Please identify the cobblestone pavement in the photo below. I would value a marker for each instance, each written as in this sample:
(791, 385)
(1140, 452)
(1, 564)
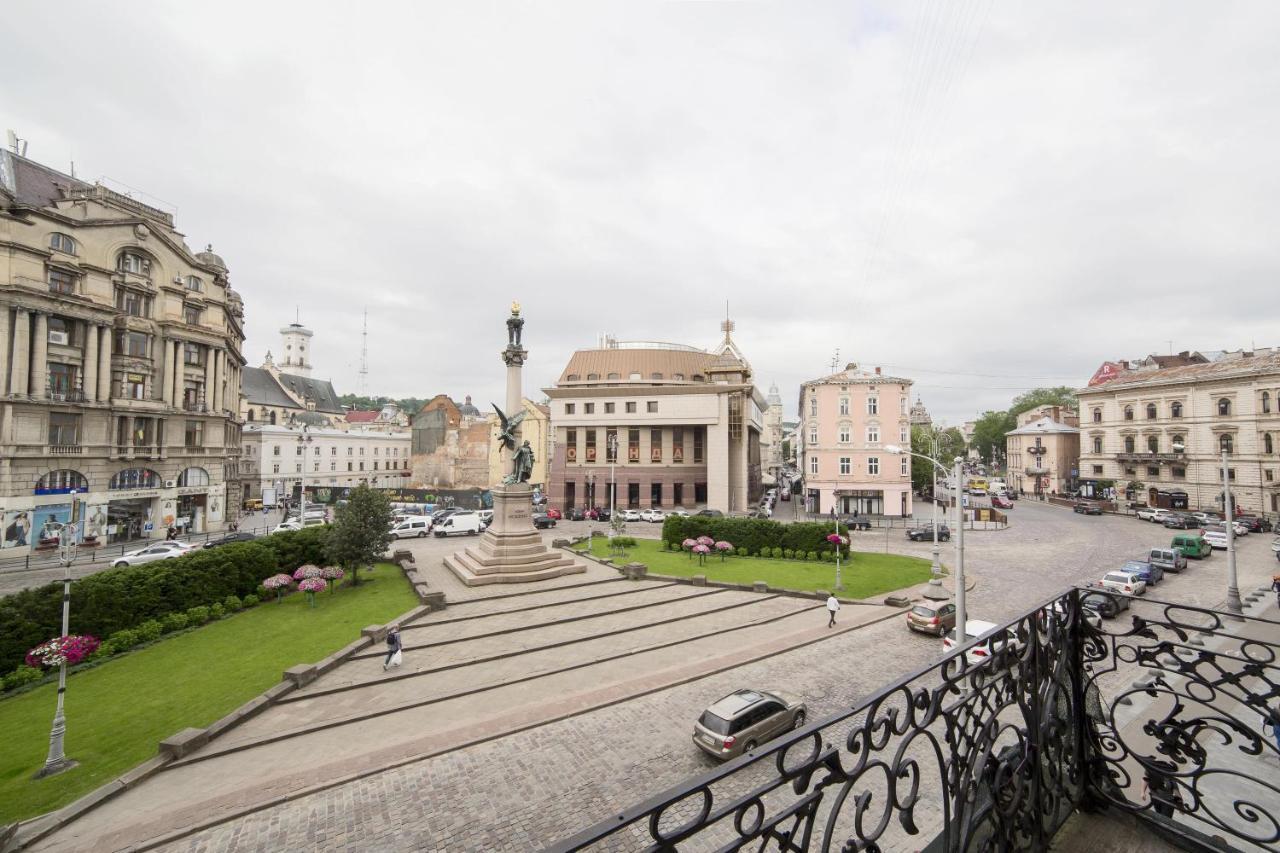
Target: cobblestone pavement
(519, 791)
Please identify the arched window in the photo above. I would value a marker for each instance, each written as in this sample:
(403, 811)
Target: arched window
(194, 283)
(61, 482)
(1151, 411)
(133, 262)
(250, 416)
(572, 377)
(1175, 410)
(1097, 416)
(1224, 407)
(135, 478)
(679, 377)
(1224, 443)
(1153, 443)
(62, 243)
(1128, 444)
(1179, 444)
(591, 376)
(193, 477)
(1267, 445)
(1097, 444)
(1128, 413)
(1266, 402)
(613, 376)
(273, 418)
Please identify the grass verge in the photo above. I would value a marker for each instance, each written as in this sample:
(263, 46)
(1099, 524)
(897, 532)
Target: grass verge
(118, 713)
(868, 574)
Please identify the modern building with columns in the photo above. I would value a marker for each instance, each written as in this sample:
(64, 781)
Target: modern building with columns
(120, 364)
(686, 424)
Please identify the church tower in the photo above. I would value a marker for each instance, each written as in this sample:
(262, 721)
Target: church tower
(295, 345)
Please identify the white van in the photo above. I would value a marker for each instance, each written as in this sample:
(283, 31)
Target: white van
(419, 526)
(460, 522)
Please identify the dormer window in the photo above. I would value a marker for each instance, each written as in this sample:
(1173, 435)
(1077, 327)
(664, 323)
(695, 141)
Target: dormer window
(134, 263)
(613, 376)
(592, 376)
(194, 283)
(572, 377)
(679, 377)
(62, 243)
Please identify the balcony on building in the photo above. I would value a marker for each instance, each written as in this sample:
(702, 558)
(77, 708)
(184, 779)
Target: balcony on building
(1148, 456)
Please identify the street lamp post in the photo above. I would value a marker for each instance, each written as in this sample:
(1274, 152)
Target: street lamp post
(57, 760)
(303, 441)
(839, 583)
(1234, 605)
(956, 472)
(611, 446)
(934, 591)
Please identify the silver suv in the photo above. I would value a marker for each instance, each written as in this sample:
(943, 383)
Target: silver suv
(743, 720)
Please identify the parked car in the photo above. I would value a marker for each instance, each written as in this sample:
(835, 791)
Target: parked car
(1087, 508)
(577, 514)
(932, 617)
(418, 527)
(631, 515)
(1001, 501)
(710, 513)
(1152, 513)
(683, 513)
(542, 521)
(285, 526)
(1180, 521)
(654, 516)
(1191, 545)
(1127, 582)
(440, 514)
(1205, 517)
(1255, 523)
(459, 522)
(554, 513)
(1150, 573)
(230, 538)
(745, 719)
(991, 641)
(857, 522)
(1105, 604)
(1216, 537)
(148, 554)
(924, 533)
(1168, 559)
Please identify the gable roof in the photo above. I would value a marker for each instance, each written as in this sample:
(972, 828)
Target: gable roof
(261, 388)
(361, 417)
(1043, 426)
(1236, 367)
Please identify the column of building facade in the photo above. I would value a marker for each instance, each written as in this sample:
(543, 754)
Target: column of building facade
(208, 377)
(716, 457)
(166, 378)
(39, 386)
(5, 345)
(179, 369)
(91, 362)
(103, 355)
(219, 378)
(18, 369)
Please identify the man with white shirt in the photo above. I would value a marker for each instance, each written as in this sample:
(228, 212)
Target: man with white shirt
(833, 607)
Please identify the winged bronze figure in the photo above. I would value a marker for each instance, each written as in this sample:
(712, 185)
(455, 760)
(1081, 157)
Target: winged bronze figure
(522, 457)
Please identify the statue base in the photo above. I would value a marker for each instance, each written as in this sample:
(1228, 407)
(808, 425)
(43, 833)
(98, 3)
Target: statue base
(511, 550)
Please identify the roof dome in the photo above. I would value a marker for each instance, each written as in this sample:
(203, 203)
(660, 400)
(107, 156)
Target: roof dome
(208, 257)
(469, 410)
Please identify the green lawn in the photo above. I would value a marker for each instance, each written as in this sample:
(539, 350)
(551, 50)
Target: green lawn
(869, 574)
(118, 713)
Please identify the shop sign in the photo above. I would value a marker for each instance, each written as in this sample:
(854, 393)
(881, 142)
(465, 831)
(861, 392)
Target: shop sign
(193, 490)
(130, 494)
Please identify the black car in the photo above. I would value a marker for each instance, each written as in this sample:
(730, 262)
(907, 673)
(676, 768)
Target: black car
(1254, 523)
(542, 521)
(1180, 521)
(229, 538)
(577, 514)
(856, 522)
(1105, 604)
(1087, 508)
(925, 533)
(710, 513)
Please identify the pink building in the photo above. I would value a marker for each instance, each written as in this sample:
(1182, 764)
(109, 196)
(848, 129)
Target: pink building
(846, 421)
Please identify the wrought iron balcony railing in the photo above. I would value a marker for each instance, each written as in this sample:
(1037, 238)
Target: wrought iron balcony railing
(994, 753)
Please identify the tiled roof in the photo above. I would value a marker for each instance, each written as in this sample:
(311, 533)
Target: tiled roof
(261, 388)
(1043, 426)
(37, 185)
(854, 375)
(646, 362)
(318, 390)
(358, 417)
(1228, 368)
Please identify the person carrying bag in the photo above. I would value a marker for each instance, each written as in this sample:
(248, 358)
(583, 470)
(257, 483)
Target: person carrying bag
(395, 650)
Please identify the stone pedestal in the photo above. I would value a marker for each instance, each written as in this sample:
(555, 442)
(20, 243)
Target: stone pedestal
(511, 550)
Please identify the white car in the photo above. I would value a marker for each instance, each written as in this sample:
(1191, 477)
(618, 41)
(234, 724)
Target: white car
(631, 515)
(683, 513)
(981, 651)
(149, 554)
(1156, 514)
(285, 526)
(652, 515)
(1126, 582)
(1217, 539)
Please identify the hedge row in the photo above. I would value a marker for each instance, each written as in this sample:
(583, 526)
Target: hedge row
(118, 599)
(753, 534)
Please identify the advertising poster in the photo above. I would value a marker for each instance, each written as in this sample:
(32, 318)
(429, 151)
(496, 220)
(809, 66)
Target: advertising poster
(17, 529)
(214, 510)
(47, 522)
(95, 525)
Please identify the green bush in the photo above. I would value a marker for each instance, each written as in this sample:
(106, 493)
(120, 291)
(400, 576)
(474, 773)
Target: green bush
(624, 541)
(751, 533)
(776, 553)
(149, 631)
(125, 639)
(22, 675)
(825, 556)
(232, 603)
(294, 548)
(742, 551)
(174, 622)
(250, 600)
(216, 611)
(789, 554)
(198, 615)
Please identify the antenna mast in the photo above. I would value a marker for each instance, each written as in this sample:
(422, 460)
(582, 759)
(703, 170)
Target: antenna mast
(363, 379)
(835, 360)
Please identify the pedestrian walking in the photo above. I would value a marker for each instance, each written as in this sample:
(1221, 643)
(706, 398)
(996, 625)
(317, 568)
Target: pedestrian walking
(833, 607)
(1272, 721)
(394, 649)
(1275, 585)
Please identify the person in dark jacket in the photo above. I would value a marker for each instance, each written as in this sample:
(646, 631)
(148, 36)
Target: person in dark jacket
(393, 646)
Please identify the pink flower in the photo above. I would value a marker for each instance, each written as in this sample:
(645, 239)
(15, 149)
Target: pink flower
(701, 549)
(307, 571)
(312, 585)
(724, 546)
(706, 540)
(688, 544)
(332, 573)
(277, 581)
(70, 649)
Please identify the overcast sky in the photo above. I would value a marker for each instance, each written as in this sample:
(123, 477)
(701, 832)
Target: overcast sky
(984, 197)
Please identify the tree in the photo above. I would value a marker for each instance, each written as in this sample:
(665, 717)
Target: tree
(1037, 397)
(950, 445)
(360, 532)
(989, 431)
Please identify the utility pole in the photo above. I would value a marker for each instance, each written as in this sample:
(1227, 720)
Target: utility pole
(1234, 605)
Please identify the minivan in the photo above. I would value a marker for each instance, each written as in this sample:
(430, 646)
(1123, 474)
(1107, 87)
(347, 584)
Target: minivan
(1191, 545)
(412, 527)
(1169, 559)
(460, 522)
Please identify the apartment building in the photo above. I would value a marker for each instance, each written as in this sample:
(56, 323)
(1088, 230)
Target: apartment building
(120, 365)
(671, 425)
(281, 458)
(1042, 453)
(846, 421)
(1167, 427)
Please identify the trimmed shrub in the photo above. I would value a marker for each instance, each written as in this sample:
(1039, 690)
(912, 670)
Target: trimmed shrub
(198, 615)
(174, 622)
(742, 551)
(788, 554)
(624, 541)
(232, 603)
(122, 640)
(294, 548)
(812, 556)
(776, 553)
(250, 600)
(148, 631)
(216, 611)
(22, 675)
(825, 556)
(752, 533)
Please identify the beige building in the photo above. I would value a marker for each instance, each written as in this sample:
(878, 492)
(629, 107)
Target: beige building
(682, 425)
(284, 393)
(324, 458)
(120, 366)
(847, 420)
(1166, 427)
(535, 429)
(1043, 452)
(771, 440)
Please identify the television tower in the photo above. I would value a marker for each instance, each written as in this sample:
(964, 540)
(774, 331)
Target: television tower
(362, 380)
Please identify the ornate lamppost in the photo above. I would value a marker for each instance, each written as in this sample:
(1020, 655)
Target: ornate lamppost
(57, 760)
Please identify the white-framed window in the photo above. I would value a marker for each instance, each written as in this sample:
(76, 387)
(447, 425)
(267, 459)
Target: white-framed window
(844, 433)
(844, 405)
(902, 434)
(873, 465)
(813, 434)
(846, 465)
(873, 405)
(813, 464)
(62, 243)
(873, 433)
(194, 283)
(904, 468)
(813, 407)
(134, 263)
(902, 405)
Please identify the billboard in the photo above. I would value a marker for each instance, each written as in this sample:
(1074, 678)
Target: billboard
(1108, 371)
